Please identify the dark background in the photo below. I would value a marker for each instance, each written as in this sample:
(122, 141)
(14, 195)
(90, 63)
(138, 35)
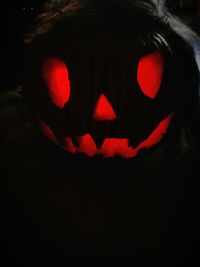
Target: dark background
(48, 218)
(17, 17)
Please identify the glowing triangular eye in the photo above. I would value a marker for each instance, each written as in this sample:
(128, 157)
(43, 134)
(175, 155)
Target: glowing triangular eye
(149, 74)
(56, 77)
(103, 110)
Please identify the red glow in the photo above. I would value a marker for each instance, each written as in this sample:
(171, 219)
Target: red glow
(56, 76)
(149, 74)
(111, 146)
(103, 110)
(87, 146)
(157, 134)
(117, 146)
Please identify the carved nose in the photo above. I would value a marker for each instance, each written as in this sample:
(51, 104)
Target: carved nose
(103, 110)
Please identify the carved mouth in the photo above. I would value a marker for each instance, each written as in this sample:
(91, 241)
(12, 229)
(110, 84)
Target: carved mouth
(109, 147)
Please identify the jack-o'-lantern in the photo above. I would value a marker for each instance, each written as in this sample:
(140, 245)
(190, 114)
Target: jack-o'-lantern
(99, 87)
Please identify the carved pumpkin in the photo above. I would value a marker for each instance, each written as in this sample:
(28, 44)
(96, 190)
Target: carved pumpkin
(105, 92)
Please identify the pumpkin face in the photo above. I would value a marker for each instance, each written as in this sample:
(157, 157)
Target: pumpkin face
(113, 105)
(109, 78)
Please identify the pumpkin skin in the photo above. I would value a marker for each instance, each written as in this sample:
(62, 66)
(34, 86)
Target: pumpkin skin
(104, 93)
